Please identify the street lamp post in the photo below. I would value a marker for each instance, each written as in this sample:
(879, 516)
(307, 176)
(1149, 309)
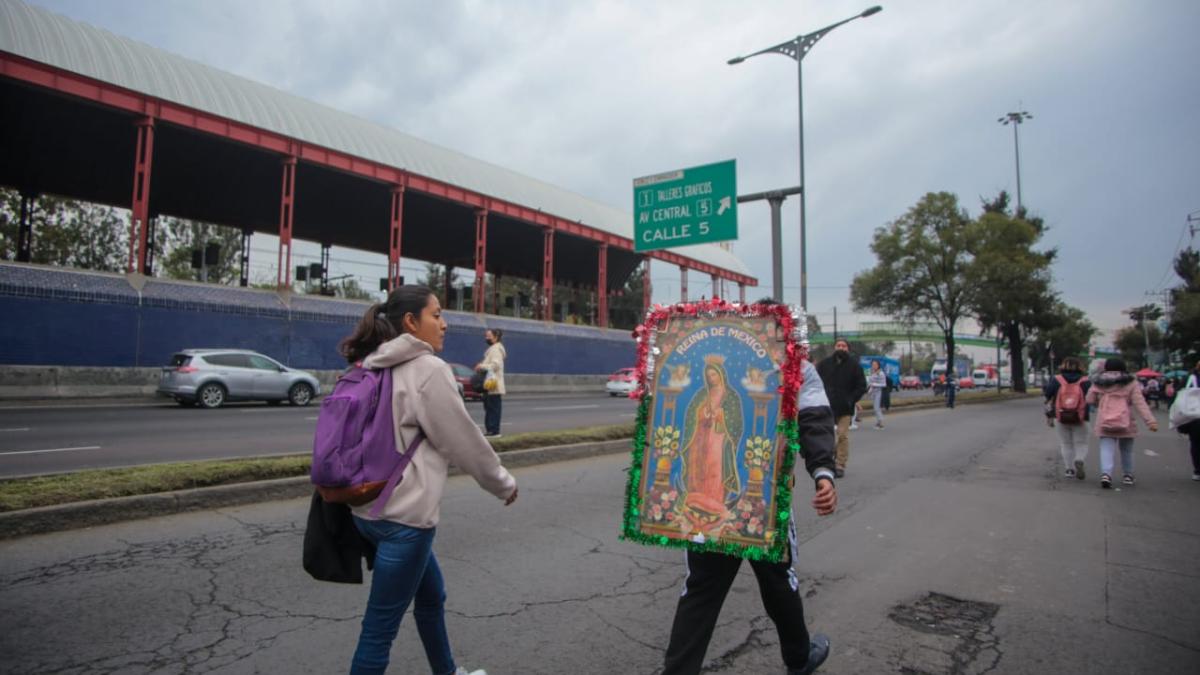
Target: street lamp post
(797, 48)
(1015, 119)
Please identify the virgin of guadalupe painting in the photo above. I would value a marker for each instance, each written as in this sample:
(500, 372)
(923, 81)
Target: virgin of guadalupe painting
(707, 476)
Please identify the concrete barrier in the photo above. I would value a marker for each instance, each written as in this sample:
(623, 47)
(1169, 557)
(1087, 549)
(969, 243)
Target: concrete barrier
(60, 382)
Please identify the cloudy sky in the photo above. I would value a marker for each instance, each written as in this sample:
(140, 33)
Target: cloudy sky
(589, 95)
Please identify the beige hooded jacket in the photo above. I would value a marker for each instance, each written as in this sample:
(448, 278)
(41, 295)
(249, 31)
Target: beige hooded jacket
(425, 396)
(493, 360)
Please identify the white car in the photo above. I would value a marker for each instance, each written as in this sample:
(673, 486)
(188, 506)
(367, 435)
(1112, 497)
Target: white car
(621, 383)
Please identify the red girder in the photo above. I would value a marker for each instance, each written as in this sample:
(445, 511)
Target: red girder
(287, 201)
(480, 259)
(396, 222)
(602, 285)
(22, 69)
(139, 217)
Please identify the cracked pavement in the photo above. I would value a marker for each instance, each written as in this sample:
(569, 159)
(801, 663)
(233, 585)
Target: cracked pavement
(964, 504)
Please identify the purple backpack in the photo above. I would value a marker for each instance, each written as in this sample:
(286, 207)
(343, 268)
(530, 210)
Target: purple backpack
(354, 449)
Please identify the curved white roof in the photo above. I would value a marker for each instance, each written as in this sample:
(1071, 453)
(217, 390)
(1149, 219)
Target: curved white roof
(40, 35)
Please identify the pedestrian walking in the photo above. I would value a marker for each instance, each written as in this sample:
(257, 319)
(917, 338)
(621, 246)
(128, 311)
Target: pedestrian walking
(1153, 391)
(1066, 406)
(405, 333)
(493, 384)
(1192, 428)
(951, 389)
(710, 575)
(876, 386)
(1116, 395)
(844, 386)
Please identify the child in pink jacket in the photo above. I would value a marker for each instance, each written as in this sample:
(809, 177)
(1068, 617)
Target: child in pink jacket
(1115, 393)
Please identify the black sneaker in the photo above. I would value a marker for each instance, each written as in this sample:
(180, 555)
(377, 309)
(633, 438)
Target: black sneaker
(818, 651)
(838, 473)
(1105, 481)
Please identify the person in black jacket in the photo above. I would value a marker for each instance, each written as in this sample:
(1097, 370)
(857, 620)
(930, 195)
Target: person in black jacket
(710, 575)
(844, 385)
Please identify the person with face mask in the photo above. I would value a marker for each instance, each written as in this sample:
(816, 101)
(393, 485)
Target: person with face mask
(845, 384)
(493, 363)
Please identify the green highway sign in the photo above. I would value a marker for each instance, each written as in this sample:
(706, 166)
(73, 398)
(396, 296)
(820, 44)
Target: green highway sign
(684, 207)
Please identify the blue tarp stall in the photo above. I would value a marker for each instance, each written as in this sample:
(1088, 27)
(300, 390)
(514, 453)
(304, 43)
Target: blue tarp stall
(61, 317)
(890, 366)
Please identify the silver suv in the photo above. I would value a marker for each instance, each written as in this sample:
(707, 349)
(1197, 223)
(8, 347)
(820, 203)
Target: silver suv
(210, 377)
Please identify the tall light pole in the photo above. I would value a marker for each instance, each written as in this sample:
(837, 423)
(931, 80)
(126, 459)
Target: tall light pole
(797, 48)
(1015, 119)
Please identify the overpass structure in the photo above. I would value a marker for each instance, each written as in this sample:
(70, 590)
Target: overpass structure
(877, 331)
(94, 116)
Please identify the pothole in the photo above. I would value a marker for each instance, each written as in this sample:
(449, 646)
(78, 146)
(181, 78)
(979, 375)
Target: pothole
(951, 636)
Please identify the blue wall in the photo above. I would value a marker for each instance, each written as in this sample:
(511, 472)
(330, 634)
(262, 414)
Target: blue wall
(59, 317)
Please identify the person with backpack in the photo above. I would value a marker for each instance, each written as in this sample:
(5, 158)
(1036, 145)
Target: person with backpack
(403, 335)
(493, 385)
(1066, 404)
(1115, 393)
(1153, 389)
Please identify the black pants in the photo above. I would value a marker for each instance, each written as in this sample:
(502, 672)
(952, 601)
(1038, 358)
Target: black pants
(491, 413)
(1194, 441)
(709, 577)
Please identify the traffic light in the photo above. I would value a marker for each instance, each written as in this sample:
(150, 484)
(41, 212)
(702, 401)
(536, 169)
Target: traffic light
(212, 254)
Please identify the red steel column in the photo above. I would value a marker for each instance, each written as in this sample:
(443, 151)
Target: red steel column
(602, 287)
(683, 284)
(646, 290)
(397, 222)
(138, 220)
(287, 202)
(716, 287)
(480, 259)
(548, 274)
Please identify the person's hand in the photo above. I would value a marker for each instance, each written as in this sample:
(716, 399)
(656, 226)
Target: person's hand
(825, 501)
(1154, 427)
(511, 498)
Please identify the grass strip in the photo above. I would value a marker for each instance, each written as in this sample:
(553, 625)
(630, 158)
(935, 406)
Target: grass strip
(26, 493)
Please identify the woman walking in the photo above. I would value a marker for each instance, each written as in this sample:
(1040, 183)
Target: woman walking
(1116, 394)
(405, 333)
(1192, 428)
(1065, 404)
(876, 383)
(493, 385)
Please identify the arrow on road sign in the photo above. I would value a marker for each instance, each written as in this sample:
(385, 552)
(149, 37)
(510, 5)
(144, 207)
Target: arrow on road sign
(725, 201)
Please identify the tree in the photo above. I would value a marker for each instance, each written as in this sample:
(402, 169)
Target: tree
(177, 238)
(923, 269)
(1131, 342)
(351, 290)
(1065, 332)
(1183, 326)
(66, 232)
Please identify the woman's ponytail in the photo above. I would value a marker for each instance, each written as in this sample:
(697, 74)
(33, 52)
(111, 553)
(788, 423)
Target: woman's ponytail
(373, 330)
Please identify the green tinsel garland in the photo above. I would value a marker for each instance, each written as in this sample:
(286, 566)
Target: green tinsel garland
(783, 498)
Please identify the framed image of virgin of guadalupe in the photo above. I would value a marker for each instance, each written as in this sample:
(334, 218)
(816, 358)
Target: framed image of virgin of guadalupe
(716, 436)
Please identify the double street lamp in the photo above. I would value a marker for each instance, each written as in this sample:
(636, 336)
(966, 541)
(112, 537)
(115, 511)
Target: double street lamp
(1015, 119)
(797, 48)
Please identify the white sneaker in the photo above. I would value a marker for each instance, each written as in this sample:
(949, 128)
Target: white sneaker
(853, 427)
(464, 671)
(1196, 476)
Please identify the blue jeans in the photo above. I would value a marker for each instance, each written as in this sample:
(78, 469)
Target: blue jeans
(406, 571)
(491, 413)
(1108, 447)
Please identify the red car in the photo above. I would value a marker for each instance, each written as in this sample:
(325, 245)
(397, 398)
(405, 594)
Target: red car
(966, 383)
(462, 375)
(910, 382)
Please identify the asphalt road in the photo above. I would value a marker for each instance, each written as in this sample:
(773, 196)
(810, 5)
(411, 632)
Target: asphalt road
(957, 548)
(52, 439)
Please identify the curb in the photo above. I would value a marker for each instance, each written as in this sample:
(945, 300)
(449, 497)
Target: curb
(46, 519)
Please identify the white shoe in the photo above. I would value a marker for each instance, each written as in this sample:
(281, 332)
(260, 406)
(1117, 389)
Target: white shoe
(1196, 476)
(853, 427)
(463, 671)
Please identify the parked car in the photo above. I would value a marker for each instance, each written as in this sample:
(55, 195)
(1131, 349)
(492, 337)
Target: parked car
(210, 377)
(621, 382)
(966, 383)
(982, 378)
(910, 382)
(462, 375)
